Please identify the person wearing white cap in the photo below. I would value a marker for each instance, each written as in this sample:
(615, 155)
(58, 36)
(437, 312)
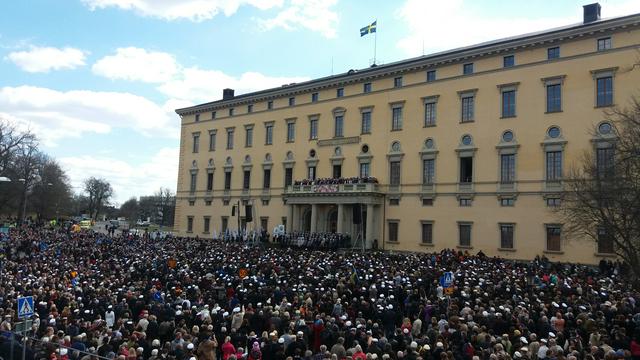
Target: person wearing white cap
(237, 318)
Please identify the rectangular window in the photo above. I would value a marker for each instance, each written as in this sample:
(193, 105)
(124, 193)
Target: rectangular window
(553, 202)
(366, 122)
(396, 118)
(227, 180)
(197, 117)
(192, 202)
(604, 44)
(213, 115)
(248, 137)
(553, 52)
(207, 224)
(508, 61)
(313, 129)
(427, 233)
(314, 97)
(506, 236)
(554, 165)
(466, 169)
(264, 223)
(270, 105)
(246, 180)
(266, 179)
(605, 158)
(291, 131)
(192, 183)
(212, 141)
(231, 111)
(554, 98)
(464, 235)
(507, 202)
(507, 168)
(605, 242)
(339, 126)
(467, 108)
(229, 139)
(207, 202)
(366, 88)
(397, 82)
(250, 108)
(288, 176)
(428, 171)
(465, 202)
(430, 114)
(393, 231)
(394, 201)
(311, 173)
(364, 170)
(268, 140)
(553, 238)
(196, 143)
(292, 101)
(467, 69)
(604, 91)
(431, 75)
(508, 103)
(224, 224)
(394, 173)
(189, 224)
(427, 201)
(225, 202)
(340, 92)
(209, 181)
(336, 171)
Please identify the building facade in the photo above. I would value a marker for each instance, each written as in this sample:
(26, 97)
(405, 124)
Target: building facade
(468, 147)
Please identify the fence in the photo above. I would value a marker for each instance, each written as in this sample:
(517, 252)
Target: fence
(24, 347)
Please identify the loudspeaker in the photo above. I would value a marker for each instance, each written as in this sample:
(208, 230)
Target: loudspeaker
(357, 214)
(248, 213)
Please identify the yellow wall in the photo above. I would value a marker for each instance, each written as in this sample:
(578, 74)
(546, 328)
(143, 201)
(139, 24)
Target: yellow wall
(577, 120)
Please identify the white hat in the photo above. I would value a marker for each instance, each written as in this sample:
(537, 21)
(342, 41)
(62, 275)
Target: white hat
(190, 346)
(439, 344)
(154, 352)
(281, 341)
(63, 351)
(236, 309)
(523, 340)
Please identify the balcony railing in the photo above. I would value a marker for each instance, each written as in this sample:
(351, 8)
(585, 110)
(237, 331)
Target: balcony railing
(332, 188)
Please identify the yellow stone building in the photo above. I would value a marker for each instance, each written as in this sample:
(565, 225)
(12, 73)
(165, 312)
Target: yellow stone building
(469, 146)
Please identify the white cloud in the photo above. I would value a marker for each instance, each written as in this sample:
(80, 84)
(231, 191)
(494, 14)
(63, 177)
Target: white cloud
(199, 85)
(186, 85)
(127, 180)
(45, 59)
(452, 24)
(315, 15)
(194, 10)
(137, 64)
(54, 115)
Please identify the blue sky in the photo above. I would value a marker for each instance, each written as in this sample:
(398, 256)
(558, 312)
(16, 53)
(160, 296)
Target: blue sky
(98, 80)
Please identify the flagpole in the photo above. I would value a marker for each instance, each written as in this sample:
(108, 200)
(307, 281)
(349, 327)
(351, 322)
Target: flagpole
(375, 42)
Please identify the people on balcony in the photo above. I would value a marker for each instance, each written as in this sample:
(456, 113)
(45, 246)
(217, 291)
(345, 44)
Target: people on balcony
(337, 181)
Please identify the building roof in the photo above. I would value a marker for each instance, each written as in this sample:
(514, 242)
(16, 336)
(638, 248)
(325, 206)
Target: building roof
(461, 54)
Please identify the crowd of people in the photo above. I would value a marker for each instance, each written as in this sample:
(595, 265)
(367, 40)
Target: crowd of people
(336, 181)
(315, 240)
(135, 298)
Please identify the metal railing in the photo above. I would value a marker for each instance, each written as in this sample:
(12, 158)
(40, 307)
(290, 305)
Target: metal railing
(25, 347)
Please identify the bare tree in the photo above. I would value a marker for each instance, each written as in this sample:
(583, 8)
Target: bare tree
(52, 194)
(602, 201)
(27, 163)
(166, 203)
(99, 192)
(10, 140)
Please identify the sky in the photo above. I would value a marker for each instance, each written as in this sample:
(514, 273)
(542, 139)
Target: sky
(98, 80)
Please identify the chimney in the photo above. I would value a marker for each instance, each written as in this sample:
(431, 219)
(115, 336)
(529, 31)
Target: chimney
(591, 12)
(227, 94)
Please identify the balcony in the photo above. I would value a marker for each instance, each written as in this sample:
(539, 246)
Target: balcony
(333, 189)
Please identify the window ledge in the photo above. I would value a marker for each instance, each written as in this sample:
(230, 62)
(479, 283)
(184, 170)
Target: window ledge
(508, 117)
(469, 247)
(189, 232)
(205, 232)
(267, 144)
(605, 254)
(429, 126)
(366, 133)
(426, 245)
(556, 252)
(467, 121)
(393, 242)
(507, 249)
(396, 129)
(553, 112)
(290, 141)
(311, 139)
(604, 106)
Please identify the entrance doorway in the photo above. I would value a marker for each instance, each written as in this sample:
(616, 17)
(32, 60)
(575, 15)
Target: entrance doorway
(306, 221)
(332, 221)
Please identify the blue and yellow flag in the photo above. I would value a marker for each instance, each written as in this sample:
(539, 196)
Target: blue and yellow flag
(368, 29)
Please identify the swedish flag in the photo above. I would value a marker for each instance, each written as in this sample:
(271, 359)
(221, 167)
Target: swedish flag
(368, 29)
